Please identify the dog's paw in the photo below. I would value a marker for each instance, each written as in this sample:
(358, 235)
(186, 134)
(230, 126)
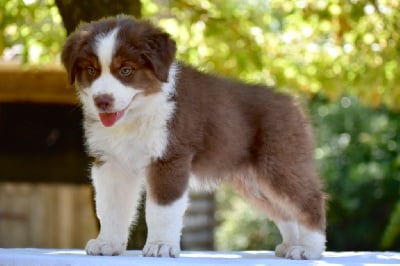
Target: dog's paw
(297, 252)
(161, 250)
(104, 248)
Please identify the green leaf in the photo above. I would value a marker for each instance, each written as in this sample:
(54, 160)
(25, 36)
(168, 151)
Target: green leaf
(392, 231)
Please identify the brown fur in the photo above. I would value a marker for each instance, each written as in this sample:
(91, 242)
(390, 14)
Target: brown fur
(249, 136)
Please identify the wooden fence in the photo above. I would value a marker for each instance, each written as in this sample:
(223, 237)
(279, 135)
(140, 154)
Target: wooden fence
(48, 216)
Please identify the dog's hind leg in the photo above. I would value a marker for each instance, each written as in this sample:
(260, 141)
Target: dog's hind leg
(299, 215)
(286, 181)
(299, 242)
(299, 206)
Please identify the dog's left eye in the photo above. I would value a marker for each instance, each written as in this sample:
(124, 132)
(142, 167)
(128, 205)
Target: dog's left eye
(125, 71)
(91, 71)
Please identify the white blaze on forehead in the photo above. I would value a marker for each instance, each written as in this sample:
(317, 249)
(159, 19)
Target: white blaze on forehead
(105, 44)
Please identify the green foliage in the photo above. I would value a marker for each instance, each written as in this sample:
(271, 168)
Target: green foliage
(34, 25)
(327, 46)
(358, 153)
(392, 231)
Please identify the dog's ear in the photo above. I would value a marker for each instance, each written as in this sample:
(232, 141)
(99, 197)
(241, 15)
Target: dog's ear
(159, 52)
(71, 51)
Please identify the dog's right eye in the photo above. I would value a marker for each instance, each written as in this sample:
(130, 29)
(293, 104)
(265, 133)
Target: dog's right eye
(91, 71)
(125, 71)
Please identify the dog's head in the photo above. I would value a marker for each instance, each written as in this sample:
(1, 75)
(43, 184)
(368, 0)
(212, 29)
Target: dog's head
(115, 63)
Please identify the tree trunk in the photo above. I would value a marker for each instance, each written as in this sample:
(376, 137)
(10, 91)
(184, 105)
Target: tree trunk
(75, 11)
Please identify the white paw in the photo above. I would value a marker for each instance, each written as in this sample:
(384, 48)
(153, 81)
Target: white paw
(104, 248)
(156, 249)
(281, 250)
(298, 252)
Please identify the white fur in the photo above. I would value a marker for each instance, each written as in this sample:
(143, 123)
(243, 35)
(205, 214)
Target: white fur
(117, 195)
(107, 83)
(202, 183)
(164, 225)
(127, 149)
(169, 87)
(105, 48)
(298, 242)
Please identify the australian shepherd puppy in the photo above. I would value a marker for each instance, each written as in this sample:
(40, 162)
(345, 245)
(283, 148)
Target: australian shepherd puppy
(154, 123)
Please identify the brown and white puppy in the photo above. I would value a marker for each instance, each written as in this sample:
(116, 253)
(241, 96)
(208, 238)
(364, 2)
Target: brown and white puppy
(153, 123)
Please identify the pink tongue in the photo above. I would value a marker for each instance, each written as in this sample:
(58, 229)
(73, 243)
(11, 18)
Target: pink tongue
(109, 119)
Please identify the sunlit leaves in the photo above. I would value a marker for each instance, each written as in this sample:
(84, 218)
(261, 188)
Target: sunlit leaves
(328, 46)
(32, 31)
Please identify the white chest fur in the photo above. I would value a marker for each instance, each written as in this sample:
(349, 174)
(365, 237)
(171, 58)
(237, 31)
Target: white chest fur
(142, 134)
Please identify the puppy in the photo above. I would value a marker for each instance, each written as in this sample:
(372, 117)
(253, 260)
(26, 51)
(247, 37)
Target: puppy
(154, 123)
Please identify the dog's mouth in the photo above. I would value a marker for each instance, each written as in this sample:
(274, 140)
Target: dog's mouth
(109, 119)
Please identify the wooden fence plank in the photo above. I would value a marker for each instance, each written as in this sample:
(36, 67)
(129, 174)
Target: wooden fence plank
(37, 85)
(41, 215)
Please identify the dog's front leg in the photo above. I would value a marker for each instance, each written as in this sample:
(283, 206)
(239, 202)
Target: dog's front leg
(166, 203)
(117, 196)
(164, 224)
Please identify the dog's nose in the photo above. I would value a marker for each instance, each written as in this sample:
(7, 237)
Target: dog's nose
(104, 102)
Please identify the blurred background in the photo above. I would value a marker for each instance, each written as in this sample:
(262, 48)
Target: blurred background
(340, 58)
